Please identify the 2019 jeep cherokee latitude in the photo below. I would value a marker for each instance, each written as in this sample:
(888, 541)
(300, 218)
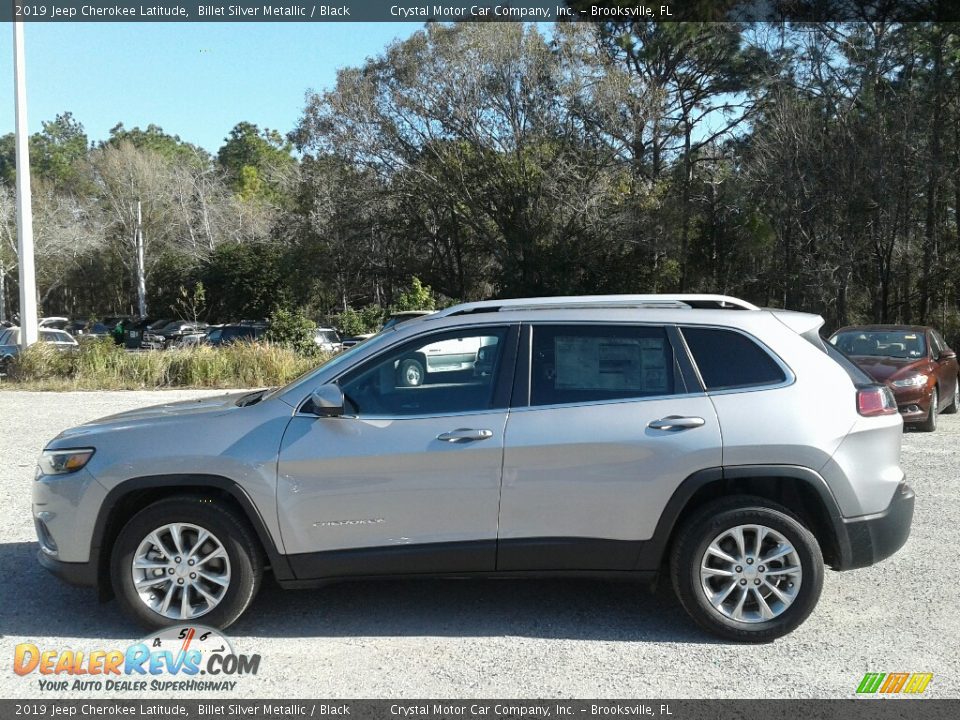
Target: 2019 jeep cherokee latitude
(695, 435)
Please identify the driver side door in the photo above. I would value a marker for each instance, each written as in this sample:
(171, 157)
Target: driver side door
(408, 479)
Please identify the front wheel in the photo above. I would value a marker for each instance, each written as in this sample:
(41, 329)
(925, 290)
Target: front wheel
(746, 569)
(185, 559)
(951, 409)
(930, 424)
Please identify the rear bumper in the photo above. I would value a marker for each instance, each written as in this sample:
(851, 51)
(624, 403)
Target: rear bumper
(868, 540)
(83, 574)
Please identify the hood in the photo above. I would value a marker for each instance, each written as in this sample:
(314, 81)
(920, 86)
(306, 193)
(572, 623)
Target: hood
(158, 413)
(883, 369)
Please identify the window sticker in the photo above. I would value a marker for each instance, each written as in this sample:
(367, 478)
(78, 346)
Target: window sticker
(610, 363)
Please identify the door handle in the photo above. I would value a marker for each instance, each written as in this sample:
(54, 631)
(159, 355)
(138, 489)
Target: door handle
(676, 422)
(461, 435)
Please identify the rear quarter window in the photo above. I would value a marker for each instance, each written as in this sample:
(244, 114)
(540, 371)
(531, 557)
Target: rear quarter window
(729, 360)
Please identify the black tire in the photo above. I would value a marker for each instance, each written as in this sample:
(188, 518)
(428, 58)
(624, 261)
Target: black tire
(410, 373)
(954, 405)
(930, 424)
(704, 526)
(6, 364)
(243, 551)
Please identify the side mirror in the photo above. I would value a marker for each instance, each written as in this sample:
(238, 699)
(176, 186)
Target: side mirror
(327, 401)
(947, 354)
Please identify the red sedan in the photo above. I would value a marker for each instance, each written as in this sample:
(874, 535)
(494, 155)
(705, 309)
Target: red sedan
(913, 360)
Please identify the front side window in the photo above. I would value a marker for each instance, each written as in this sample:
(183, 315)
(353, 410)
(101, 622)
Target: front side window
(452, 372)
(582, 363)
(728, 360)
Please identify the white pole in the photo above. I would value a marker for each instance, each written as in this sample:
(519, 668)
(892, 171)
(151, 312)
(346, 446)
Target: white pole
(28, 281)
(141, 275)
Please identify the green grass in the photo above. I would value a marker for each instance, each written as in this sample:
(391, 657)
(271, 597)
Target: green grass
(101, 365)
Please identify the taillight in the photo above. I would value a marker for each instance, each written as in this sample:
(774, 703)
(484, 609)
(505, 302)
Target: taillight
(875, 400)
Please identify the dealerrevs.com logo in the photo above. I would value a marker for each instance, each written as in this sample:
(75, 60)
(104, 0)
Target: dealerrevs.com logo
(177, 659)
(894, 683)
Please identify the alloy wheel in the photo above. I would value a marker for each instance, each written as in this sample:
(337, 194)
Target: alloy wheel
(181, 571)
(750, 573)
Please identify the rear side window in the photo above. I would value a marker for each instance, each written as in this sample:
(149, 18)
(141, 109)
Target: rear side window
(728, 360)
(579, 363)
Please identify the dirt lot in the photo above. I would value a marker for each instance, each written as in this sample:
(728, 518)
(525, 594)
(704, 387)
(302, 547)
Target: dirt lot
(509, 639)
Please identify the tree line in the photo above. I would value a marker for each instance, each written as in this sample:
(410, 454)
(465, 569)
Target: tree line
(814, 166)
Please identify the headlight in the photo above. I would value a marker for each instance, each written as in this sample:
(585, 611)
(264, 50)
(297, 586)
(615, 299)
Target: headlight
(913, 381)
(61, 462)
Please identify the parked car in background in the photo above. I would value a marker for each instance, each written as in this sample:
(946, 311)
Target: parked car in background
(395, 319)
(10, 343)
(171, 334)
(195, 337)
(327, 340)
(55, 323)
(86, 329)
(913, 360)
(134, 330)
(226, 334)
(583, 436)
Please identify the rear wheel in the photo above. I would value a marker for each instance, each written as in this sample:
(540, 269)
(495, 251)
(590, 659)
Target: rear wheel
(747, 569)
(185, 559)
(411, 373)
(955, 403)
(930, 424)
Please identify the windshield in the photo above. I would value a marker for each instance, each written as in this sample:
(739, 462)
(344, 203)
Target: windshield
(881, 343)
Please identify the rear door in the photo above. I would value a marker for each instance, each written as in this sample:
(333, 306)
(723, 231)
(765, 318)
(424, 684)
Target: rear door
(597, 441)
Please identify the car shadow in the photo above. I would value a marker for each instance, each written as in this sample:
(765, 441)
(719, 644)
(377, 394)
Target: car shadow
(39, 605)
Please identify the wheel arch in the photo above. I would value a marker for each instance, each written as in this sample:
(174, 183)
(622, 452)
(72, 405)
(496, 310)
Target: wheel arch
(800, 489)
(131, 496)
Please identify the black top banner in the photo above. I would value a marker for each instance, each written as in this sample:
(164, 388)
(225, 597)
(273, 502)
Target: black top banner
(482, 11)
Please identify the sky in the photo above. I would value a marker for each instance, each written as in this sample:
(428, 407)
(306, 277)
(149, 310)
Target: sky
(195, 80)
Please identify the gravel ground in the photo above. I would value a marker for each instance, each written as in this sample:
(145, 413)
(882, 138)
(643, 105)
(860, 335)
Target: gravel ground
(510, 639)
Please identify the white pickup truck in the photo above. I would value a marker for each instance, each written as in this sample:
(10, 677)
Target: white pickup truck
(452, 355)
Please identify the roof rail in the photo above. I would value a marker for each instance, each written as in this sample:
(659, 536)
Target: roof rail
(664, 302)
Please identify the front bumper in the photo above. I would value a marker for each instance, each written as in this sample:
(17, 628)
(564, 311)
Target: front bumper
(913, 403)
(83, 574)
(64, 510)
(869, 539)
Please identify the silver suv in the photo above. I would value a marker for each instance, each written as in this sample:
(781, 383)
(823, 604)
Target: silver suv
(692, 435)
